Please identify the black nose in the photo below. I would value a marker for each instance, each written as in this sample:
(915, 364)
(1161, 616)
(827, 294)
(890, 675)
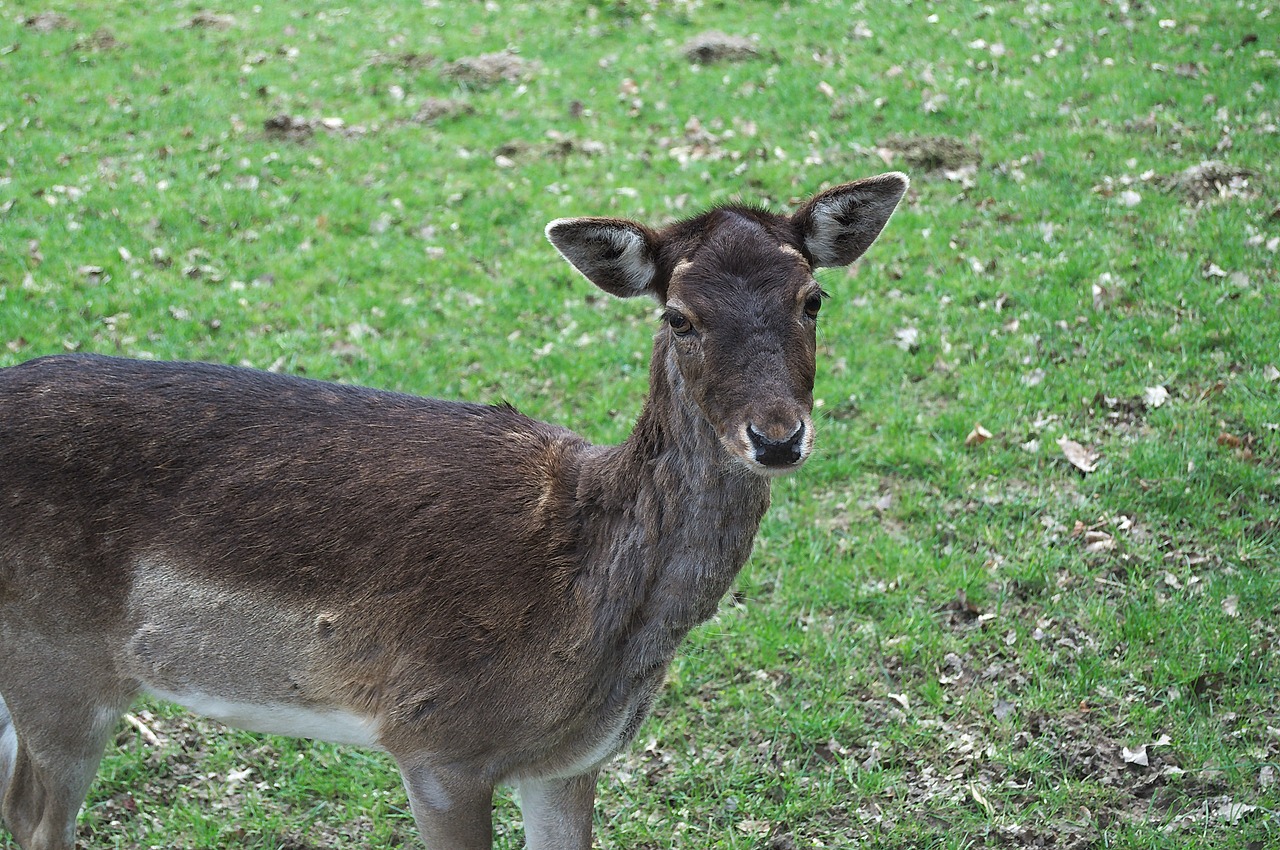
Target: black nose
(782, 452)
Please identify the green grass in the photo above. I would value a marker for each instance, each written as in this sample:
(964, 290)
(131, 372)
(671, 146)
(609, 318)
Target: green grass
(848, 694)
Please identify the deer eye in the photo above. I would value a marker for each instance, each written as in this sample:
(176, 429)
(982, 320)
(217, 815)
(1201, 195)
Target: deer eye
(679, 324)
(812, 305)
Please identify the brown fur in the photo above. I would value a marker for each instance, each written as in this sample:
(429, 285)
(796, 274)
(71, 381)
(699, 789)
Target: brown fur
(498, 599)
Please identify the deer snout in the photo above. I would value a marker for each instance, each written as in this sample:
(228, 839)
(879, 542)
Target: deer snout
(778, 447)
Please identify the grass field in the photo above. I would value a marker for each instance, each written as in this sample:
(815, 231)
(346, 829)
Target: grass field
(949, 634)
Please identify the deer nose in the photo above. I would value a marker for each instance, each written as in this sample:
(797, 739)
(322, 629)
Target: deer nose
(770, 452)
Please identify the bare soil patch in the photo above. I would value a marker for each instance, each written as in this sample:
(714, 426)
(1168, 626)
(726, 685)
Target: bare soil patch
(489, 69)
(48, 22)
(438, 108)
(714, 46)
(933, 153)
(1212, 179)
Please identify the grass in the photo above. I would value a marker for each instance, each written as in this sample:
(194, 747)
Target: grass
(934, 644)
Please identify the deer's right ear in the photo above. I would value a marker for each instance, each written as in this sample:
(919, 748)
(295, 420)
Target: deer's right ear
(617, 255)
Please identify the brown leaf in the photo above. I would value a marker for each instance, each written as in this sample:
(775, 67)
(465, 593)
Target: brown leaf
(1085, 460)
(977, 436)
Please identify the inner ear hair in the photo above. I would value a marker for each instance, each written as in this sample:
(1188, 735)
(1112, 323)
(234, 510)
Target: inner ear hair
(839, 225)
(616, 255)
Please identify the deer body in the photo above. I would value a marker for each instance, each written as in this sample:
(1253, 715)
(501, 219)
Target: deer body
(488, 598)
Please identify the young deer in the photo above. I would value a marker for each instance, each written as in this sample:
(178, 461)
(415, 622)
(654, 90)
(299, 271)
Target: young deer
(488, 598)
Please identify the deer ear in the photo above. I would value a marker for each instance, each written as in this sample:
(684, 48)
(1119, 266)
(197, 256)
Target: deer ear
(615, 254)
(840, 224)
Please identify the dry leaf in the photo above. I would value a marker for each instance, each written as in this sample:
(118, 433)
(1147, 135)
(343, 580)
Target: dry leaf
(1154, 396)
(1231, 606)
(1136, 756)
(1233, 812)
(977, 436)
(1231, 441)
(981, 800)
(1098, 541)
(1081, 458)
(1271, 373)
(908, 339)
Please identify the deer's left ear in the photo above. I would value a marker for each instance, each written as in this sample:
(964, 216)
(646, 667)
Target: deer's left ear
(617, 255)
(840, 224)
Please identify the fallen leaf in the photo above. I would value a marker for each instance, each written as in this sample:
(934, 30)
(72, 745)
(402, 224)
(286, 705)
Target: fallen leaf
(236, 776)
(1004, 710)
(1231, 606)
(1233, 812)
(1081, 458)
(981, 800)
(1098, 541)
(977, 436)
(755, 827)
(1136, 756)
(1271, 373)
(1129, 198)
(908, 339)
(1231, 441)
(1155, 396)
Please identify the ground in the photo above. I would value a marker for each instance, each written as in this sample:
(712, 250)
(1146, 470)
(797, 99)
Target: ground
(1026, 593)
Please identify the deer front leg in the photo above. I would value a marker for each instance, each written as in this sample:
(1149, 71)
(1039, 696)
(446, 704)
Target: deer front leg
(557, 812)
(451, 813)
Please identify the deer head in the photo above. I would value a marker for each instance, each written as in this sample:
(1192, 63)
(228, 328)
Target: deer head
(740, 304)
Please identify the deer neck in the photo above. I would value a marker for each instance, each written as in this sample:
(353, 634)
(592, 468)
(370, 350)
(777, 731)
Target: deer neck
(670, 518)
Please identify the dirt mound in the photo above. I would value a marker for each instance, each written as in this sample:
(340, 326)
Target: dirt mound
(48, 22)
(1212, 179)
(491, 68)
(712, 46)
(206, 20)
(436, 108)
(933, 153)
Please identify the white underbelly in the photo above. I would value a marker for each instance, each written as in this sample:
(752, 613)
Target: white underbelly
(327, 724)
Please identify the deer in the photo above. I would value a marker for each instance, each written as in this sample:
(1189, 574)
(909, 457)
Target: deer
(489, 599)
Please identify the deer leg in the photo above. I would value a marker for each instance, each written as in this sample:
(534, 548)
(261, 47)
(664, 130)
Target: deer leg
(557, 812)
(52, 748)
(451, 813)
